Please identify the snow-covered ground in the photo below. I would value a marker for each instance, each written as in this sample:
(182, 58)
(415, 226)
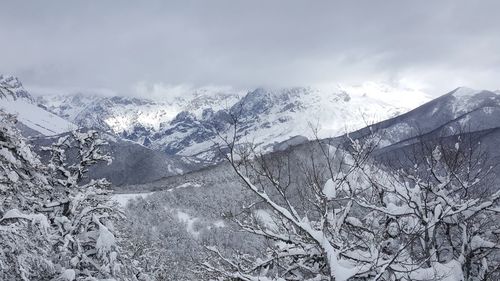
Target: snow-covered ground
(189, 221)
(36, 118)
(14, 99)
(187, 184)
(124, 198)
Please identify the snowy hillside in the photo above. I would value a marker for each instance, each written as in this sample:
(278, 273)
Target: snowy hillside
(461, 110)
(14, 99)
(132, 163)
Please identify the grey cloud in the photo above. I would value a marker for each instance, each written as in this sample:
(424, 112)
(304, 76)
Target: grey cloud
(118, 44)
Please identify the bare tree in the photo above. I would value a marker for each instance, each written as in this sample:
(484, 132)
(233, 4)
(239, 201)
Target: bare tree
(335, 213)
(440, 199)
(311, 242)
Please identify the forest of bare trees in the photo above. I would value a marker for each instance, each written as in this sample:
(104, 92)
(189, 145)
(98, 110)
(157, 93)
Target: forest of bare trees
(336, 213)
(334, 209)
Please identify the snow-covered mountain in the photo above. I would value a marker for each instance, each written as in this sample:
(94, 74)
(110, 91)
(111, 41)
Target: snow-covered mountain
(464, 117)
(268, 117)
(132, 162)
(14, 99)
(130, 117)
(463, 109)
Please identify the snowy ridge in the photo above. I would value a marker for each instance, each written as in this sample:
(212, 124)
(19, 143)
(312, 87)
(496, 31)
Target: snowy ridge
(14, 99)
(467, 99)
(464, 92)
(463, 109)
(11, 87)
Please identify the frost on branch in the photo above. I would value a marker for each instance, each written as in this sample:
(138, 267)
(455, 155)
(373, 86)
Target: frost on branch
(24, 235)
(83, 212)
(442, 210)
(313, 231)
(55, 224)
(341, 214)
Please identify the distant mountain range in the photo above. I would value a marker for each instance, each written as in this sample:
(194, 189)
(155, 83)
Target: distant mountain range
(132, 163)
(134, 119)
(270, 118)
(169, 137)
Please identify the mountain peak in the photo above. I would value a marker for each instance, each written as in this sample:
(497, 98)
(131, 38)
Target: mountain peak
(464, 92)
(11, 87)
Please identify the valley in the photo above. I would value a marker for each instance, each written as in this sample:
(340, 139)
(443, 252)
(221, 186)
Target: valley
(176, 177)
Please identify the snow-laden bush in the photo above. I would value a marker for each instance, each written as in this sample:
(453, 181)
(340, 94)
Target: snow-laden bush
(24, 235)
(54, 223)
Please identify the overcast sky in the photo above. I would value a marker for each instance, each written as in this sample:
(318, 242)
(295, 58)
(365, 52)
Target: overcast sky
(126, 46)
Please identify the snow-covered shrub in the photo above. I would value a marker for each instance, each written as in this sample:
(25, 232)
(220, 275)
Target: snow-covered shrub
(53, 222)
(83, 211)
(25, 237)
